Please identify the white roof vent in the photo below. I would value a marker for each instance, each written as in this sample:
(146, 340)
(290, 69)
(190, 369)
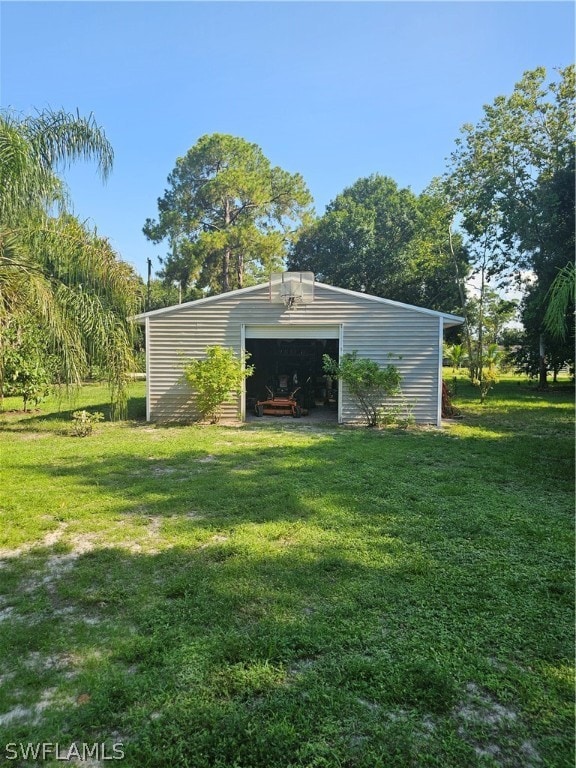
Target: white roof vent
(292, 288)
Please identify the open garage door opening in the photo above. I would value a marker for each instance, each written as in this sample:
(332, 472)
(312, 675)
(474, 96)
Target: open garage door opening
(289, 379)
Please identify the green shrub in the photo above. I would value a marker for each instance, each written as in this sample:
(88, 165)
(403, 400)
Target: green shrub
(215, 379)
(368, 384)
(26, 368)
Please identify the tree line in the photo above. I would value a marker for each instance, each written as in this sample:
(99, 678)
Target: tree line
(501, 215)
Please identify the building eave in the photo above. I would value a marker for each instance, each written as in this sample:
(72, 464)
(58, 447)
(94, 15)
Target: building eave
(196, 302)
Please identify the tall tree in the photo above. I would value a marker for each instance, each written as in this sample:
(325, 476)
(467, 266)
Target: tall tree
(227, 215)
(506, 178)
(56, 275)
(379, 238)
(439, 262)
(552, 265)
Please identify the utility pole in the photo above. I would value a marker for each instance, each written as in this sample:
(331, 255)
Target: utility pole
(148, 284)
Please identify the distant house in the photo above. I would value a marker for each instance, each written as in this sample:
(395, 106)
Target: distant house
(287, 325)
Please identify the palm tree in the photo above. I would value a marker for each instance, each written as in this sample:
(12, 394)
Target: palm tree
(456, 353)
(53, 270)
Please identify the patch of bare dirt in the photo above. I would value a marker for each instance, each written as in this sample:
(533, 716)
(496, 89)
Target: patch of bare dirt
(494, 731)
(51, 538)
(33, 714)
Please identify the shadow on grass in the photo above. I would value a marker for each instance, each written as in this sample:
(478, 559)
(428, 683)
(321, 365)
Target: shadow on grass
(219, 654)
(17, 421)
(300, 599)
(261, 477)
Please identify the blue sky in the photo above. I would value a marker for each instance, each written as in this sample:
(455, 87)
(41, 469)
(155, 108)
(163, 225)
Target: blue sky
(335, 91)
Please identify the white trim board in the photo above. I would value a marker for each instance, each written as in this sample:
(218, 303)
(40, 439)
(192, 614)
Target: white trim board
(300, 331)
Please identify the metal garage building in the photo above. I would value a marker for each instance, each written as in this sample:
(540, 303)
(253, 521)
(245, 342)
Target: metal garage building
(287, 325)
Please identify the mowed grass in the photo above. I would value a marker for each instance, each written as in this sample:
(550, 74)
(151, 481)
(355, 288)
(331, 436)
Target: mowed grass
(275, 595)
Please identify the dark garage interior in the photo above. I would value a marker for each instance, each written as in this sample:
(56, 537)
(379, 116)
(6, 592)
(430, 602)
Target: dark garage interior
(285, 367)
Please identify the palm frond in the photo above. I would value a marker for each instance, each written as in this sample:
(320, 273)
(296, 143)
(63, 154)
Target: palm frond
(25, 183)
(64, 137)
(561, 296)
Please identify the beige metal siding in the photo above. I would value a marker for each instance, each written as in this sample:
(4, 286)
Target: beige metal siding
(407, 340)
(374, 329)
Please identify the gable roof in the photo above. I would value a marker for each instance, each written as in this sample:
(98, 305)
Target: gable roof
(449, 320)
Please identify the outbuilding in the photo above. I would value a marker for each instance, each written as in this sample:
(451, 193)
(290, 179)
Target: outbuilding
(287, 325)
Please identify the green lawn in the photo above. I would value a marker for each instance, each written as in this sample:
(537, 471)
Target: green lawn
(274, 595)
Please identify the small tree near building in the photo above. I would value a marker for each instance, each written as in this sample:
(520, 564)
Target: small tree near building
(28, 368)
(368, 384)
(215, 379)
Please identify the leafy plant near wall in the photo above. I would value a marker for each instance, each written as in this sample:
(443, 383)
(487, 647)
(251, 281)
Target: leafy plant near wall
(398, 414)
(215, 379)
(368, 384)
